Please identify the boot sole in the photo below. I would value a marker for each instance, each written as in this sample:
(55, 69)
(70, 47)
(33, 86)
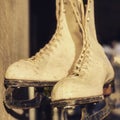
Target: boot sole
(28, 83)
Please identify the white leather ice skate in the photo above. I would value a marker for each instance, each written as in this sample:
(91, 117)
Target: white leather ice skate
(91, 71)
(55, 60)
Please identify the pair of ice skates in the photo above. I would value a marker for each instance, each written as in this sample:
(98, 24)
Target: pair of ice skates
(73, 61)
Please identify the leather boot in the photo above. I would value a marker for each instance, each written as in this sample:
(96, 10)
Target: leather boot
(56, 59)
(91, 71)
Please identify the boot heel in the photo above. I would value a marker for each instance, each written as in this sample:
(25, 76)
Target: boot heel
(109, 88)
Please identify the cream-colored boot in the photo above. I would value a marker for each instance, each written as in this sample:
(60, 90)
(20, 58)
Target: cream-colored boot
(55, 60)
(51, 63)
(91, 71)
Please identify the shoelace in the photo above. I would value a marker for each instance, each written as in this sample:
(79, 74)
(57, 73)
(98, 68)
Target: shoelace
(53, 43)
(46, 50)
(84, 56)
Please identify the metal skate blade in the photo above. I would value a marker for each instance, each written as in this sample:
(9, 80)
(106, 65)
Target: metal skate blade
(15, 98)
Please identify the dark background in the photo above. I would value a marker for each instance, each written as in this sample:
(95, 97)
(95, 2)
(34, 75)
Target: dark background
(43, 22)
(107, 20)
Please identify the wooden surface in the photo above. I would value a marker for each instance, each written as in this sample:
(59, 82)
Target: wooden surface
(13, 41)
